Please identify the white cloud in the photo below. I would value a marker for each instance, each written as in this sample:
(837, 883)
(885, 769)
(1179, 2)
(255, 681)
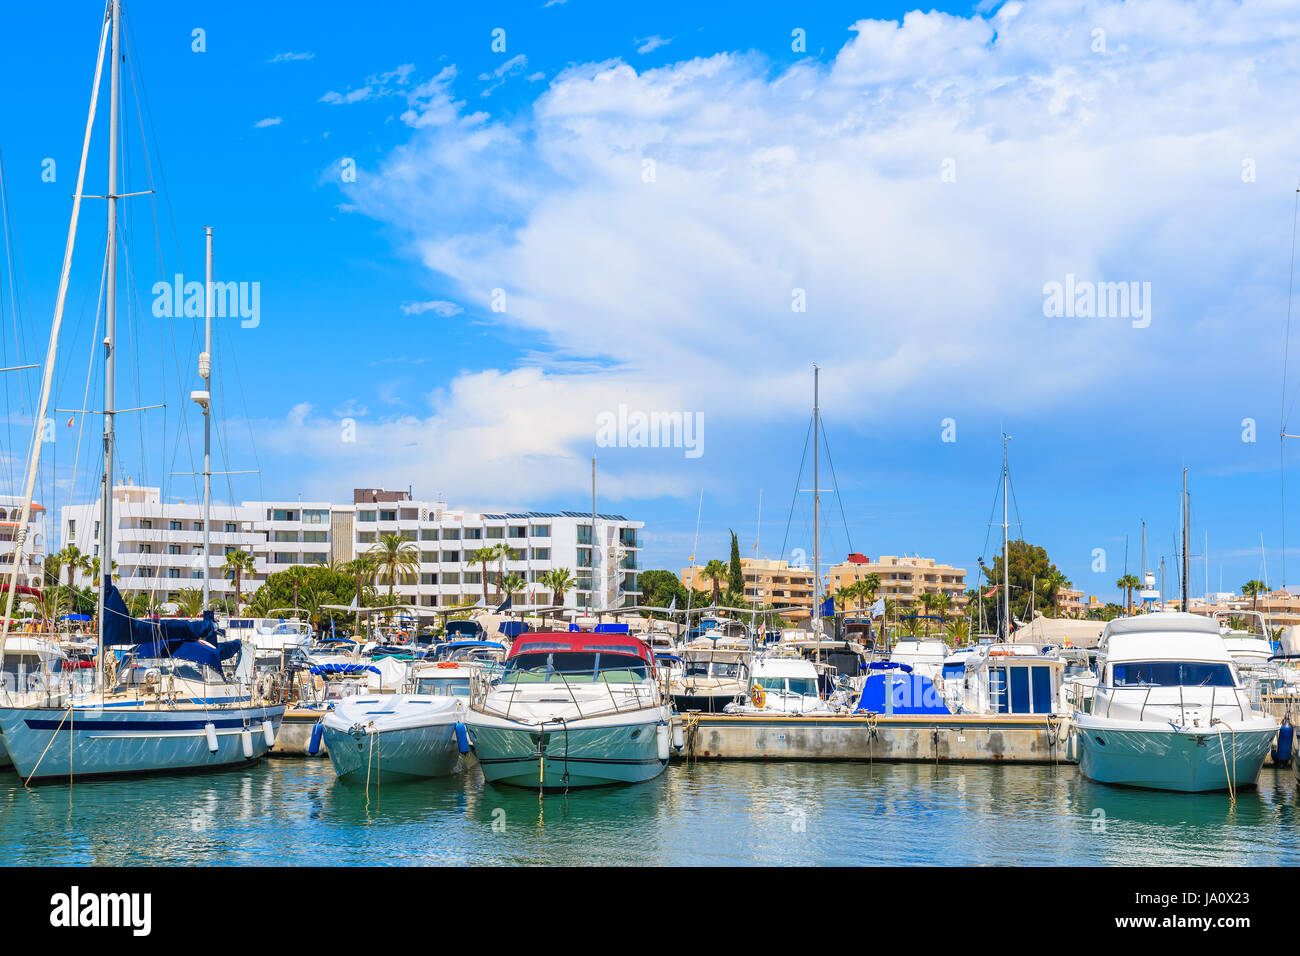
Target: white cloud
(1116, 164)
(503, 72)
(290, 57)
(444, 309)
(269, 121)
(651, 43)
(392, 83)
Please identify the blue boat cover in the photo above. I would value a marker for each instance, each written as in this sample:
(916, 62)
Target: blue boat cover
(912, 694)
(344, 669)
(121, 628)
(200, 652)
(618, 628)
(513, 629)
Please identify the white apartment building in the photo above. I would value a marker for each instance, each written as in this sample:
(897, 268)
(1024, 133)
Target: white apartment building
(11, 512)
(157, 545)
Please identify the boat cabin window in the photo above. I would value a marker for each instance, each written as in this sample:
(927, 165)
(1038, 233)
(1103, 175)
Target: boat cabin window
(443, 686)
(1172, 674)
(804, 686)
(574, 667)
(1020, 689)
(732, 669)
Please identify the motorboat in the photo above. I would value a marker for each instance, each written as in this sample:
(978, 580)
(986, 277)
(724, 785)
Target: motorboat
(571, 709)
(1170, 711)
(709, 678)
(1002, 678)
(272, 637)
(924, 655)
(782, 685)
(403, 736)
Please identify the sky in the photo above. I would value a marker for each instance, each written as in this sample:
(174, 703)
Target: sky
(475, 234)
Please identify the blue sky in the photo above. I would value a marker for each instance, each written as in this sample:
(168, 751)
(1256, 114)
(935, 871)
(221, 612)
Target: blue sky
(919, 175)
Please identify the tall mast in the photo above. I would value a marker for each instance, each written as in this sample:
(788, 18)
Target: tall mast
(47, 375)
(204, 398)
(817, 509)
(593, 532)
(1006, 549)
(110, 342)
(1187, 520)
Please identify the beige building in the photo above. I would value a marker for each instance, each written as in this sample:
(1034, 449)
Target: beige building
(902, 579)
(767, 582)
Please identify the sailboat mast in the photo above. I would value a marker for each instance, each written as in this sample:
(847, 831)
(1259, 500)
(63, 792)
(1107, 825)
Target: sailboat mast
(110, 340)
(205, 370)
(1186, 524)
(593, 532)
(817, 509)
(1006, 549)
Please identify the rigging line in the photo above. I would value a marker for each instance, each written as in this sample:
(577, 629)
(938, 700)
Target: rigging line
(797, 481)
(1286, 342)
(90, 370)
(835, 481)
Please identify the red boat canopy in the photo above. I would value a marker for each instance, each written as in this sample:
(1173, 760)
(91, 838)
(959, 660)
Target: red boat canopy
(542, 642)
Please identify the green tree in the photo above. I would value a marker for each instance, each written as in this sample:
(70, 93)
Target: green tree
(394, 557)
(715, 571)
(238, 563)
(1254, 589)
(1030, 570)
(1126, 584)
(1056, 583)
(513, 583)
(189, 602)
(558, 581)
(482, 557)
(72, 559)
(735, 577)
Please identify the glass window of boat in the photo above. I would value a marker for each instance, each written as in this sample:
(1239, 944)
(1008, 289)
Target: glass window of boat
(443, 686)
(574, 667)
(731, 669)
(804, 686)
(1172, 674)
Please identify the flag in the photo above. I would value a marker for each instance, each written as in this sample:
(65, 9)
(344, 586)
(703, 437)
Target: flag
(992, 591)
(672, 606)
(691, 558)
(504, 605)
(828, 607)
(878, 608)
(482, 602)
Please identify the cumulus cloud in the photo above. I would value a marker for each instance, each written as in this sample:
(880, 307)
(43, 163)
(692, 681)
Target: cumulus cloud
(913, 196)
(651, 43)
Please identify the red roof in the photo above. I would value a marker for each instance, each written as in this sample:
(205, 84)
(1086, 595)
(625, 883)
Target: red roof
(580, 641)
(856, 558)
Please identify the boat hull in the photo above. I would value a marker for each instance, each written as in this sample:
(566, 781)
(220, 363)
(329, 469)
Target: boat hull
(413, 753)
(53, 743)
(1190, 760)
(591, 754)
(702, 703)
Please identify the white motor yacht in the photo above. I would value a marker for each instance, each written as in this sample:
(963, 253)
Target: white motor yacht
(1169, 711)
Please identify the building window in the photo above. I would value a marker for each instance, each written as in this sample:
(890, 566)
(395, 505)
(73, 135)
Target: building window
(473, 577)
(231, 527)
(365, 516)
(473, 534)
(315, 516)
(494, 533)
(173, 572)
(173, 526)
(173, 549)
(428, 534)
(385, 515)
(541, 554)
(518, 531)
(541, 531)
(451, 577)
(451, 557)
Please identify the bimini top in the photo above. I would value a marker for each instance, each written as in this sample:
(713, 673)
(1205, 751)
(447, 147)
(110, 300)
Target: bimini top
(542, 642)
(1164, 635)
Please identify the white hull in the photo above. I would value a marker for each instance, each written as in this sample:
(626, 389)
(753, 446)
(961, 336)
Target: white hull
(394, 737)
(558, 755)
(51, 743)
(1191, 760)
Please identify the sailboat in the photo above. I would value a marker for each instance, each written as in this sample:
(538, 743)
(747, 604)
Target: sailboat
(169, 707)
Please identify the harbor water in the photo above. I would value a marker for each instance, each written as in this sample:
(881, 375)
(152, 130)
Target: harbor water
(294, 812)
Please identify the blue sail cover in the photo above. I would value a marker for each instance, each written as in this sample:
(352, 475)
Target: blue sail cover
(200, 652)
(912, 694)
(121, 628)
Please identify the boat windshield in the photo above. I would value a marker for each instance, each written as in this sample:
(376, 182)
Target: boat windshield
(1172, 674)
(443, 686)
(574, 667)
(805, 686)
(720, 669)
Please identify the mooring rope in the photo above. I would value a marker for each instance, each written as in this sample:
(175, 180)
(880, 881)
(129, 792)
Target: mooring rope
(49, 745)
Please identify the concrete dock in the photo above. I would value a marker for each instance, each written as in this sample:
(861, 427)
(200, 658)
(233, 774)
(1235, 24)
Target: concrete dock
(946, 739)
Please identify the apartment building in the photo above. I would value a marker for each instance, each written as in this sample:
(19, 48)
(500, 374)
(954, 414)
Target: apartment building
(157, 545)
(773, 583)
(902, 579)
(11, 512)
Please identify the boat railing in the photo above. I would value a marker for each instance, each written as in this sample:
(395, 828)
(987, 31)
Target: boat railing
(1236, 702)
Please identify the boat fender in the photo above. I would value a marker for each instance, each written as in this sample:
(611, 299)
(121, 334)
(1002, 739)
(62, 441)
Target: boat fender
(462, 738)
(661, 738)
(313, 745)
(210, 731)
(1285, 742)
(268, 733)
(679, 736)
(247, 740)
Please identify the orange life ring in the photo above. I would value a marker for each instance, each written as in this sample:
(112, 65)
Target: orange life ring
(447, 664)
(757, 695)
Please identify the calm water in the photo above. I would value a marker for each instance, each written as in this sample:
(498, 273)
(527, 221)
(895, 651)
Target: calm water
(294, 812)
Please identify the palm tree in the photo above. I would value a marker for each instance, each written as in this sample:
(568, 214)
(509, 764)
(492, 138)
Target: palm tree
(867, 589)
(511, 583)
(360, 569)
(72, 559)
(559, 581)
(94, 573)
(51, 606)
(393, 557)
(1254, 588)
(238, 563)
(845, 594)
(189, 602)
(482, 557)
(716, 571)
(1055, 582)
(1126, 584)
